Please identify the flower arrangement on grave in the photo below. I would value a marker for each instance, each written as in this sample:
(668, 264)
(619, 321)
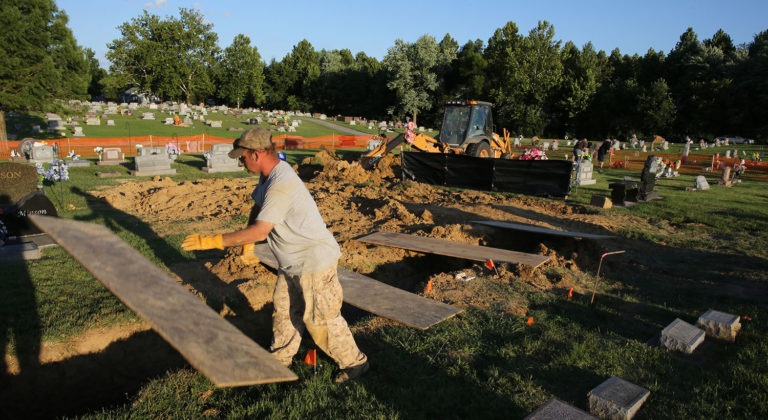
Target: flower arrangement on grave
(52, 176)
(533, 154)
(99, 150)
(72, 155)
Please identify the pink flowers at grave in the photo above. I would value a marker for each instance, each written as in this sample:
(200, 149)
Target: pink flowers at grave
(533, 154)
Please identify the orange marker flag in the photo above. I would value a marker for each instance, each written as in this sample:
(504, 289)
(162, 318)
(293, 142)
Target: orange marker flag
(311, 357)
(570, 293)
(491, 266)
(429, 286)
(529, 322)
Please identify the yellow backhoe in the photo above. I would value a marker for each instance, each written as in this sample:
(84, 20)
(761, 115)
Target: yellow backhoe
(467, 129)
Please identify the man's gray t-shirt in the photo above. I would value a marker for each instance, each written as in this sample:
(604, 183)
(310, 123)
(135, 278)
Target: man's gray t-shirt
(300, 240)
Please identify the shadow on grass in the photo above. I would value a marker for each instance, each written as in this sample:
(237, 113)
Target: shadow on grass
(87, 383)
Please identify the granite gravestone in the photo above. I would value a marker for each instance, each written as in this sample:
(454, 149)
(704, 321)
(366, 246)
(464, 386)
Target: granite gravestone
(218, 159)
(153, 161)
(20, 197)
(111, 156)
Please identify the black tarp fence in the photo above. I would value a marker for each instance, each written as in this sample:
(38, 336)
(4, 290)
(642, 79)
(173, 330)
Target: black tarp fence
(530, 177)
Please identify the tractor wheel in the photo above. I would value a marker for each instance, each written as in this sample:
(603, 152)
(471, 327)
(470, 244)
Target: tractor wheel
(480, 149)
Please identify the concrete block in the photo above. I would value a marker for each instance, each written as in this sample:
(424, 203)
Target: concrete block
(617, 399)
(601, 201)
(720, 325)
(555, 409)
(19, 252)
(681, 336)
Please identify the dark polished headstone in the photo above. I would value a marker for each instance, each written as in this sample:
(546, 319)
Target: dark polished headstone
(17, 180)
(15, 217)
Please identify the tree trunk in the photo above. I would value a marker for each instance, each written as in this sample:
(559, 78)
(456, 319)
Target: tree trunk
(3, 132)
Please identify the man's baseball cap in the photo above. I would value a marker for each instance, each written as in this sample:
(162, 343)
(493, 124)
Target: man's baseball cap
(252, 139)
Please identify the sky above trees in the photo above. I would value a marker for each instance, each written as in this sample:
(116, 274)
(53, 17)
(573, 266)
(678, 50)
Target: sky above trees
(373, 27)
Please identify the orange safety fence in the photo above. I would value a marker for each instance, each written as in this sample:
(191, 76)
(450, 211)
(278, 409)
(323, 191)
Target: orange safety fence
(691, 164)
(86, 147)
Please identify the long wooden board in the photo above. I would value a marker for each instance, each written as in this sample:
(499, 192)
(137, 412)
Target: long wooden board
(379, 298)
(540, 230)
(452, 249)
(208, 342)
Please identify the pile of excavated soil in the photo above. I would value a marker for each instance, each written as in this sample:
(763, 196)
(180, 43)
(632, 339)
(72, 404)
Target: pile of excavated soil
(355, 202)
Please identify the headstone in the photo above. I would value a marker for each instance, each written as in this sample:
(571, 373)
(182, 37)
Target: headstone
(187, 120)
(545, 146)
(555, 409)
(78, 132)
(681, 336)
(215, 124)
(719, 325)
(111, 156)
(665, 145)
(651, 167)
(92, 121)
(168, 121)
(584, 173)
(35, 129)
(148, 116)
(16, 181)
(617, 399)
(218, 160)
(153, 106)
(701, 183)
(725, 178)
(15, 217)
(55, 126)
(153, 161)
(42, 153)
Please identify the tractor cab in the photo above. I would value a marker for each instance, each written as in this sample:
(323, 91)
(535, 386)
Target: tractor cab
(466, 123)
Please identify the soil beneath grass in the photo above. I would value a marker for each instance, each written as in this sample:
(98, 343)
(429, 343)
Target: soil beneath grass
(355, 202)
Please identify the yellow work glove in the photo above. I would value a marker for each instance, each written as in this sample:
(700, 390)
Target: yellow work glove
(248, 257)
(199, 242)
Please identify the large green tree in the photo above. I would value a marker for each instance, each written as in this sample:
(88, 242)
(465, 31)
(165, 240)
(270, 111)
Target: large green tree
(39, 58)
(414, 69)
(172, 57)
(242, 72)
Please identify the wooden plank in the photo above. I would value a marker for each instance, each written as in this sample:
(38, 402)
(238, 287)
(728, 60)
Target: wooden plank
(209, 343)
(379, 298)
(541, 230)
(453, 249)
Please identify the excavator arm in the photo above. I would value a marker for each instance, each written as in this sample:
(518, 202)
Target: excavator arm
(421, 142)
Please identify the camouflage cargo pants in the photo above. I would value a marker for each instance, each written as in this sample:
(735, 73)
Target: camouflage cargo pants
(312, 301)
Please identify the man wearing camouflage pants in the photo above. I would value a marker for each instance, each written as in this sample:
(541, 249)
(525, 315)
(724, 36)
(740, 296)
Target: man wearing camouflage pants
(308, 294)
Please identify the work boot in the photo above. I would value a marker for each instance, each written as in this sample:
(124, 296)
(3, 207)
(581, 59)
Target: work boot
(354, 372)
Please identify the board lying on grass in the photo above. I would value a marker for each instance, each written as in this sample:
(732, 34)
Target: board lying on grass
(379, 298)
(539, 229)
(453, 249)
(209, 343)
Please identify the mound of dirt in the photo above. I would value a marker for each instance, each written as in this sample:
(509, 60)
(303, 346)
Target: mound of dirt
(355, 202)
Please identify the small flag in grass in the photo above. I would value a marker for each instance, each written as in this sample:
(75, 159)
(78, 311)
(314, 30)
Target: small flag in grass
(570, 293)
(491, 266)
(311, 357)
(530, 321)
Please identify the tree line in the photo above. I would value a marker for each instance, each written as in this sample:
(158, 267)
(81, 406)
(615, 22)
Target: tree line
(539, 85)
